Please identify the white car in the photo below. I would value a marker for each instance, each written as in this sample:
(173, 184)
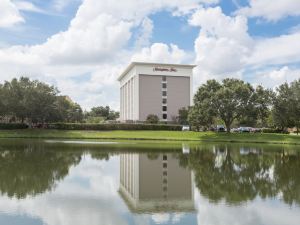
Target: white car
(185, 128)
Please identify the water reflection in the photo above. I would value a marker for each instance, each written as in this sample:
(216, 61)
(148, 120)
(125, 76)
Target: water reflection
(155, 183)
(33, 170)
(239, 174)
(77, 184)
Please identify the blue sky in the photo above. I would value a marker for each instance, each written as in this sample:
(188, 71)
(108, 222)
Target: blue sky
(82, 45)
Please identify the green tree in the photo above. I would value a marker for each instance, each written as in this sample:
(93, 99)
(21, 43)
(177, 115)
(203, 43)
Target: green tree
(67, 111)
(282, 112)
(100, 111)
(295, 104)
(2, 105)
(151, 118)
(183, 115)
(230, 100)
(199, 117)
(233, 101)
(263, 104)
(202, 114)
(113, 115)
(15, 98)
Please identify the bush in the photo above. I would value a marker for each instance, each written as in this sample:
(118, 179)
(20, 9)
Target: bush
(109, 127)
(152, 119)
(13, 126)
(273, 131)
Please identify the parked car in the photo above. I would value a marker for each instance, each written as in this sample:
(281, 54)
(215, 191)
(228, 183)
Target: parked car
(234, 130)
(220, 128)
(185, 128)
(245, 129)
(255, 130)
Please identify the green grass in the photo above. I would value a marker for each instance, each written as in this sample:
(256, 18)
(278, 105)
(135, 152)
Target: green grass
(154, 135)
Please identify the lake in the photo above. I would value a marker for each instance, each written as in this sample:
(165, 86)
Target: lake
(67, 182)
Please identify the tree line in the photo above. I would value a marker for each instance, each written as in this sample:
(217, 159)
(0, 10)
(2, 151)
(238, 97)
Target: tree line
(34, 102)
(235, 102)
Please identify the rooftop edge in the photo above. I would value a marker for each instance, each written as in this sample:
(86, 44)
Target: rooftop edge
(132, 64)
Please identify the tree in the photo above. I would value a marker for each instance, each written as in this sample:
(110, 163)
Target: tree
(203, 112)
(113, 115)
(36, 102)
(199, 118)
(295, 104)
(230, 100)
(233, 101)
(263, 104)
(2, 106)
(282, 107)
(183, 115)
(39, 102)
(102, 113)
(15, 98)
(153, 119)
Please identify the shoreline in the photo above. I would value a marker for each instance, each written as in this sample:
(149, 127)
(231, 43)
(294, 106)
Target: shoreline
(176, 136)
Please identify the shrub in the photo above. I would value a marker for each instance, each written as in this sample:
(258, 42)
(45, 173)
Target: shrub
(152, 119)
(13, 126)
(273, 131)
(109, 127)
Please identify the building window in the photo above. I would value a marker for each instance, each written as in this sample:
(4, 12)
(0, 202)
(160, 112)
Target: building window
(165, 173)
(164, 85)
(164, 101)
(165, 157)
(164, 93)
(165, 116)
(164, 78)
(164, 108)
(165, 165)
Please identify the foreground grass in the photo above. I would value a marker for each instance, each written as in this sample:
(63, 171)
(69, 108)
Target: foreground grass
(154, 135)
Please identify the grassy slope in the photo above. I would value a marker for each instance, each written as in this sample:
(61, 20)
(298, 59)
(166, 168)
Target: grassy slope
(154, 135)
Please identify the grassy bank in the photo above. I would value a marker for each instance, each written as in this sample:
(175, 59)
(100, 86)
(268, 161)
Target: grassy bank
(154, 135)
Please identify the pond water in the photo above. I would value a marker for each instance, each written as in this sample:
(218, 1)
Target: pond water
(95, 183)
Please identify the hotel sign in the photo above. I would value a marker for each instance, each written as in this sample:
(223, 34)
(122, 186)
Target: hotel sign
(163, 69)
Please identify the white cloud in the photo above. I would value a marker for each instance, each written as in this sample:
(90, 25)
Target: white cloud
(222, 46)
(271, 11)
(276, 51)
(263, 212)
(94, 44)
(145, 34)
(60, 5)
(9, 14)
(159, 52)
(85, 59)
(273, 77)
(28, 6)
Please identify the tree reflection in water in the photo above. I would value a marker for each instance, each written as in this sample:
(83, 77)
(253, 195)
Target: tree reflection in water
(33, 170)
(238, 174)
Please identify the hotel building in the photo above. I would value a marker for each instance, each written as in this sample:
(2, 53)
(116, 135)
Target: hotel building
(155, 185)
(154, 88)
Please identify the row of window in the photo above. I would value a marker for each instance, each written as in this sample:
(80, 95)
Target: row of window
(165, 177)
(164, 100)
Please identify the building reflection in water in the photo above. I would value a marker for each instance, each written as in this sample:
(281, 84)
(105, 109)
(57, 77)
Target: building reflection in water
(155, 184)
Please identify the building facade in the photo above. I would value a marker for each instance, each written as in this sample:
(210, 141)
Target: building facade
(151, 88)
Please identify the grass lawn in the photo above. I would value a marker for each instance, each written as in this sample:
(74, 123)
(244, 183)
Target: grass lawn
(154, 135)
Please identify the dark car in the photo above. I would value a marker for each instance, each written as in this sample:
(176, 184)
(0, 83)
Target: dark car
(220, 128)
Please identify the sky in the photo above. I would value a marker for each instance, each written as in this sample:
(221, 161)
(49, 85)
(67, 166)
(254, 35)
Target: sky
(81, 46)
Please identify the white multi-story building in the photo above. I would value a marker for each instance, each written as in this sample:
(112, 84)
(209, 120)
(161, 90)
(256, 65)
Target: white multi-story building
(154, 88)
